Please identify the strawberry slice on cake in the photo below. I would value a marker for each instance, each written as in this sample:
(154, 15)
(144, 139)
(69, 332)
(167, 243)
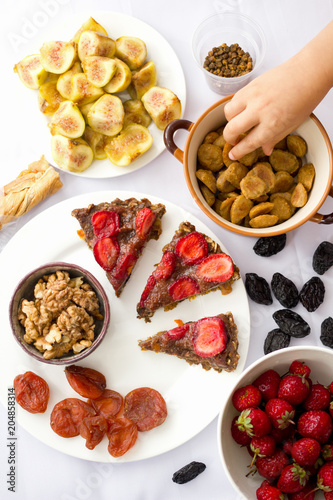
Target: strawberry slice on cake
(117, 233)
(192, 264)
(211, 342)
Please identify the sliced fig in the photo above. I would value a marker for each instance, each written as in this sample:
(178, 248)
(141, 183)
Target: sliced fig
(96, 141)
(83, 91)
(121, 79)
(84, 108)
(131, 143)
(74, 155)
(131, 50)
(67, 121)
(106, 115)
(99, 70)
(135, 112)
(142, 80)
(57, 57)
(89, 25)
(64, 83)
(49, 99)
(162, 105)
(92, 43)
(31, 71)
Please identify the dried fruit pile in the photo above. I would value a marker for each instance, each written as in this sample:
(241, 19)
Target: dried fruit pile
(79, 82)
(285, 422)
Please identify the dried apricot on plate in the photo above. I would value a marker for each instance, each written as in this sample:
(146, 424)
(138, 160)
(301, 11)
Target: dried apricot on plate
(93, 429)
(67, 416)
(122, 434)
(109, 404)
(145, 407)
(31, 392)
(87, 382)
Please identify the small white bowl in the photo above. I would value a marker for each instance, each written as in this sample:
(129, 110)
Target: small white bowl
(229, 28)
(235, 459)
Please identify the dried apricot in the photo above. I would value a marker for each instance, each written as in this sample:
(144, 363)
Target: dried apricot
(67, 416)
(93, 429)
(87, 382)
(122, 434)
(31, 392)
(109, 404)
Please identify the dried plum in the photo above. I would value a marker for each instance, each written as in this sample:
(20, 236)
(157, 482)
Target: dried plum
(266, 246)
(188, 472)
(291, 323)
(284, 290)
(326, 332)
(312, 294)
(323, 257)
(276, 339)
(258, 289)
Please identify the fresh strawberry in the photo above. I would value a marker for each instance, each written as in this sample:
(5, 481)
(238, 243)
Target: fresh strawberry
(280, 412)
(294, 389)
(330, 387)
(178, 332)
(216, 268)
(210, 336)
(144, 221)
(106, 251)
(184, 287)
(269, 492)
(281, 435)
(288, 444)
(293, 478)
(316, 424)
(166, 266)
(299, 368)
(330, 408)
(192, 248)
(327, 452)
(328, 495)
(124, 267)
(307, 493)
(268, 384)
(105, 223)
(306, 451)
(318, 399)
(246, 397)
(262, 447)
(325, 477)
(240, 436)
(271, 467)
(255, 422)
(151, 282)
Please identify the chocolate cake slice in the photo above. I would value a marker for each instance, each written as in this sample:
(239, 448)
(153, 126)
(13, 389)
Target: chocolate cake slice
(211, 342)
(117, 233)
(192, 264)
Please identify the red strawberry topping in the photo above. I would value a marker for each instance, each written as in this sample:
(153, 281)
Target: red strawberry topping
(299, 368)
(124, 267)
(293, 478)
(178, 332)
(271, 467)
(268, 384)
(240, 436)
(182, 288)
(210, 336)
(269, 492)
(166, 267)
(305, 451)
(294, 389)
(192, 248)
(144, 221)
(316, 424)
(325, 477)
(318, 399)
(105, 223)
(246, 397)
(216, 268)
(151, 282)
(106, 251)
(255, 422)
(280, 412)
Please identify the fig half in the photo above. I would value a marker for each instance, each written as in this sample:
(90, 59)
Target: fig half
(162, 105)
(131, 143)
(95, 44)
(90, 25)
(74, 155)
(31, 71)
(142, 80)
(99, 70)
(57, 57)
(106, 115)
(131, 50)
(49, 99)
(121, 79)
(67, 121)
(64, 83)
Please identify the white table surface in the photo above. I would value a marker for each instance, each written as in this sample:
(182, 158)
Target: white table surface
(41, 471)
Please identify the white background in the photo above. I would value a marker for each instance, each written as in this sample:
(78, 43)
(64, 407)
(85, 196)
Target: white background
(288, 25)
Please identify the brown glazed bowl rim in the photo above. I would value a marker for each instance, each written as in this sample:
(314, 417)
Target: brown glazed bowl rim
(30, 279)
(258, 232)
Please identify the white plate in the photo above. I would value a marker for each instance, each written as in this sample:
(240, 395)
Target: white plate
(169, 74)
(194, 397)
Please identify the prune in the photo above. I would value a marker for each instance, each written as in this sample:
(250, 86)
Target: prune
(276, 339)
(323, 257)
(258, 289)
(266, 246)
(188, 472)
(291, 323)
(312, 294)
(284, 290)
(326, 335)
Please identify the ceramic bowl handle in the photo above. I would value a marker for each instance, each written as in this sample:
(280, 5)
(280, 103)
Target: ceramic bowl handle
(324, 219)
(170, 131)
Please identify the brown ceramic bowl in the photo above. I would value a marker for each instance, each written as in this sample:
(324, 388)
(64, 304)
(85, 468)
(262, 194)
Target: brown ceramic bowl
(319, 153)
(25, 290)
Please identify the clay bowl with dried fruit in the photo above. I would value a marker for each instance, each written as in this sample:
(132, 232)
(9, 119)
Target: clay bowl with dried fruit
(235, 458)
(71, 298)
(220, 201)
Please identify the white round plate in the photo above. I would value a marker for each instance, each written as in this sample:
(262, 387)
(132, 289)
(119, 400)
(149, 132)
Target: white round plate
(193, 396)
(169, 74)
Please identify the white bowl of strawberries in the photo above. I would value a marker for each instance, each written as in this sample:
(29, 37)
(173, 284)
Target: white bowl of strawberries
(275, 432)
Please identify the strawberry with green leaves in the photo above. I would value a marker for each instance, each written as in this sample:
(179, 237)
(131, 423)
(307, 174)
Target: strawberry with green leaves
(271, 467)
(255, 422)
(245, 397)
(262, 447)
(299, 368)
(280, 413)
(294, 389)
(325, 477)
(293, 478)
(316, 424)
(306, 451)
(269, 492)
